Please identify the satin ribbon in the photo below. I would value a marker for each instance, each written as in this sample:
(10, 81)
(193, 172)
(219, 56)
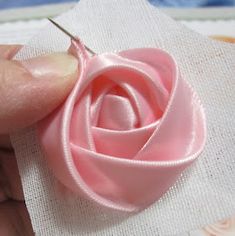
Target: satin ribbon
(128, 129)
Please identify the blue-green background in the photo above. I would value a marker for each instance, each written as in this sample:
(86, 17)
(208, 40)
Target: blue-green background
(170, 3)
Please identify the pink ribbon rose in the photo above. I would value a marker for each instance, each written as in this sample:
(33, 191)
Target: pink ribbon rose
(128, 129)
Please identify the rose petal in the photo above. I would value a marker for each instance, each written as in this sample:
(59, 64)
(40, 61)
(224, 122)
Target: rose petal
(130, 167)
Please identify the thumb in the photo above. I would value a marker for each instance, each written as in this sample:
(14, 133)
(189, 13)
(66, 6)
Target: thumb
(31, 89)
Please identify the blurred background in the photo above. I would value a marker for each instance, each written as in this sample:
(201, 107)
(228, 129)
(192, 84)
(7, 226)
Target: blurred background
(4, 4)
(193, 3)
(21, 19)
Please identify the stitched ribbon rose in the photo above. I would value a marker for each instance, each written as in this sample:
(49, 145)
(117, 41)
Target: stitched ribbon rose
(128, 129)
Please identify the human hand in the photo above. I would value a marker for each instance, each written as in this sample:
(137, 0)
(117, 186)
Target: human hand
(29, 90)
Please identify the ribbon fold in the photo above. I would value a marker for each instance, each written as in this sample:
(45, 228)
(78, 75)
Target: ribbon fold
(128, 129)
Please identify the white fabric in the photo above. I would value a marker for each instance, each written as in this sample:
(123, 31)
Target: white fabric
(205, 193)
(20, 32)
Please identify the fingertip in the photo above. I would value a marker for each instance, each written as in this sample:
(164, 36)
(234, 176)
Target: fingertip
(35, 88)
(9, 51)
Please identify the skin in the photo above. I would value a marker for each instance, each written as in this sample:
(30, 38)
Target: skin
(22, 103)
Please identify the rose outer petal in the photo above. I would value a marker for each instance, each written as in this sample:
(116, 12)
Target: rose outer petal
(80, 155)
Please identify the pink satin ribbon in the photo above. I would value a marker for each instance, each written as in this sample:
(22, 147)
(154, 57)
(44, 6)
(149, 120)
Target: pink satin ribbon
(128, 129)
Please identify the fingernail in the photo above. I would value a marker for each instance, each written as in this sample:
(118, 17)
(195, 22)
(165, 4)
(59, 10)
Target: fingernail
(56, 65)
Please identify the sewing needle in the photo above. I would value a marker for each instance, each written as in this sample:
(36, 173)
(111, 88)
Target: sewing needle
(70, 35)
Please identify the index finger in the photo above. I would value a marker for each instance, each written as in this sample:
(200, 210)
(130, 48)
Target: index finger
(7, 52)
